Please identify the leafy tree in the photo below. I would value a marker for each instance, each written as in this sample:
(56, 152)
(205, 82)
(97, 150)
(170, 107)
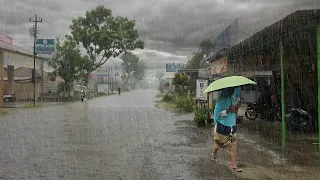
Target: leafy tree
(68, 62)
(105, 36)
(195, 61)
(133, 67)
(159, 75)
(180, 80)
(206, 48)
(199, 58)
(167, 85)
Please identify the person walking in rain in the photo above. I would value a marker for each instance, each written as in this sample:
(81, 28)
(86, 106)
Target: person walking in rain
(225, 114)
(82, 95)
(119, 90)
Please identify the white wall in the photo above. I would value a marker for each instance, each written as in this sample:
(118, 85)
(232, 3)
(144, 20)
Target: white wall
(18, 60)
(103, 88)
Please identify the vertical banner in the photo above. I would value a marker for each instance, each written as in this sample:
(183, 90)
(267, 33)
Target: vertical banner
(318, 68)
(283, 124)
(202, 85)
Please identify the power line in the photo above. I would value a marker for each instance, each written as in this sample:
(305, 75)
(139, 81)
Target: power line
(15, 40)
(26, 15)
(14, 45)
(16, 22)
(49, 23)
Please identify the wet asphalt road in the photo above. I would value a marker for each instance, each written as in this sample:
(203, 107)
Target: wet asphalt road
(115, 137)
(127, 138)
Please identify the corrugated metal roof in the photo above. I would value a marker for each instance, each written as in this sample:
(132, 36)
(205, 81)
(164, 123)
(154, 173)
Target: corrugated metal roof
(298, 21)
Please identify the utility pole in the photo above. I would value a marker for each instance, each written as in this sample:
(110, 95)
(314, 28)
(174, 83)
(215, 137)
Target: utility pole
(108, 78)
(35, 31)
(111, 81)
(1, 81)
(42, 82)
(115, 74)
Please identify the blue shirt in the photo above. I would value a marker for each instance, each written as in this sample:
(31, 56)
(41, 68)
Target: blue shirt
(238, 93)
(220, 115)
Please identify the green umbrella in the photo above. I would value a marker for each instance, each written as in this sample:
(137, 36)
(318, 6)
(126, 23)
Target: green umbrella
(232, 81)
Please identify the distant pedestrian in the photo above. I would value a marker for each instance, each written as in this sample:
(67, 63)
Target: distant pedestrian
(82, 96)
(225, 115)
(119, 90)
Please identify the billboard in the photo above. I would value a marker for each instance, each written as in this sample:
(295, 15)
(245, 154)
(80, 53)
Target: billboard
(219, 66)
(45, 46)
(202, 85)
(6, 42)
(171, 67)
(228, 37)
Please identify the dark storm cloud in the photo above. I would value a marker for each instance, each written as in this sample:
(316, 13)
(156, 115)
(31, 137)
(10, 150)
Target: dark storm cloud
(179, 23)
(174, 26)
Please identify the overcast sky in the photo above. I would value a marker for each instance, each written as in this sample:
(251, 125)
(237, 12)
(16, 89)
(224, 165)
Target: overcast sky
(171, 29)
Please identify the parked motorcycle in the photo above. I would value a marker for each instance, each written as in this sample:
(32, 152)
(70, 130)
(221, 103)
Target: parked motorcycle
(9, 98)
(252, 111)
(269, 112)
(298, 120)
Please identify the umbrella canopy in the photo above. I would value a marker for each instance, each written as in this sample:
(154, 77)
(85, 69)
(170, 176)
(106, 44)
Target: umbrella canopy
(232, 81)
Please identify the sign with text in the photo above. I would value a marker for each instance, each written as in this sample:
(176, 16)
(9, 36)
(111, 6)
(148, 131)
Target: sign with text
(45, 46)
(202, 85)
(219, 66)
(171, 67)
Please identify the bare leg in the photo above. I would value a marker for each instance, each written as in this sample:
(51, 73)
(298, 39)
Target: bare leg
(233, 157)
(214, 153)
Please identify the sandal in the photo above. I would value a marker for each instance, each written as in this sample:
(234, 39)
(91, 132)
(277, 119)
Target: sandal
(237, 169)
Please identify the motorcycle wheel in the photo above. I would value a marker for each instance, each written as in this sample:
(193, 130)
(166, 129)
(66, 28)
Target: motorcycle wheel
(250, 114)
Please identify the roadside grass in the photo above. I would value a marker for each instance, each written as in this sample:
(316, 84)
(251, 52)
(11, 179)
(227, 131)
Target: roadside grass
(160, 95)
(173, 103)
(3, 112)
(168, 106)
(28, 106)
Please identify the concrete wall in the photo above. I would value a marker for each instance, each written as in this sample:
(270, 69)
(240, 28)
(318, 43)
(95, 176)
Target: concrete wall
(10, 89)
(24, 90)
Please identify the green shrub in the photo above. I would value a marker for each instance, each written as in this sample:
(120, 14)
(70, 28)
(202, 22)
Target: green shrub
(161, 88)
(201, 115)
(188, 105)
(184, 102)
(178, 101)
(167, 98)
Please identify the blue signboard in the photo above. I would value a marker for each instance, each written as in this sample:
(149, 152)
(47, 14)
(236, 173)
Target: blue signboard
(172, 67)
(45, 46)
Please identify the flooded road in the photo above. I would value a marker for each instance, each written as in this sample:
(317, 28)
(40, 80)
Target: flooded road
(126, 138)
(115, 137)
